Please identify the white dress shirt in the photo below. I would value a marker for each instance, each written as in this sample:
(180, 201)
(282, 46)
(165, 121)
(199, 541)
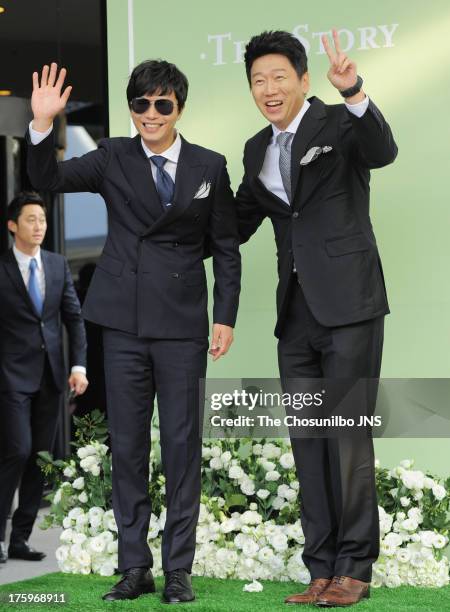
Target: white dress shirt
(23, 261)
(270, 172)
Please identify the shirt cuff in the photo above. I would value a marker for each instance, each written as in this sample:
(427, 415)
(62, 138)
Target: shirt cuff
(359, 108)
(37, 137)
(80, 369)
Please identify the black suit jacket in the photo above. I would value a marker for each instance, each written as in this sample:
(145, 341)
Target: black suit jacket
(150, 279)
(327, 229)
(25, 337)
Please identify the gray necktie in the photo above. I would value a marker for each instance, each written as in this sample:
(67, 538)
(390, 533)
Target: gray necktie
(284, 140)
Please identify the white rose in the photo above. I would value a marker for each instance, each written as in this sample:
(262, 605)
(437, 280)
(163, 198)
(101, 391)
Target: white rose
(85, 451)
(67, 522)
(257, 449)
(69, 471)
(81, 521)
(262, 493)
(290, 495)
(250, 548)
(87, 463)
(235, 472)
(106, 569)
(206, 452)
(78, 538)
(279, 541)
(215, 451)
(409, 524)
(82, 497)
(75, 512)
(62, 553)
(405, 501)
(270, 451)
(226, 457)
(407, 464)
(403, 555)
(95, 470)
(78, 483)
(277, 502)
(440, 541)
(216, 463)
(417, 495)
(413, 479)
(66, 535)
(273, 475)
(439, 492)
(393, 539)
(253, 587)
(265, 554)
(428, 483)
(287, 461)
(295, 485)
(393, 580)
(268, 466)
(97, 544)
(249, 517)
(57, 497)
(247, 486)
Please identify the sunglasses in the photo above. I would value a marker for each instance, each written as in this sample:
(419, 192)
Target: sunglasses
(162, 106)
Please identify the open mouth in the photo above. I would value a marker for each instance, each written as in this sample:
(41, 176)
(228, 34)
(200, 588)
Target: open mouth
(273, 104)
(152, 127)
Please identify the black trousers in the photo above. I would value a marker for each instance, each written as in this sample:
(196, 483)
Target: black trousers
(27, 425)
(339, 510)
(135, 370)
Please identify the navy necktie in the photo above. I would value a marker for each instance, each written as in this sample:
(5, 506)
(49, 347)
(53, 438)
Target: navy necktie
(164, 182)
(33, 287)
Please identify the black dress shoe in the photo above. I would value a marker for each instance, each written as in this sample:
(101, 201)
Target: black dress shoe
(136, 581)
(3, 553)
(178, 587)
(21, 550)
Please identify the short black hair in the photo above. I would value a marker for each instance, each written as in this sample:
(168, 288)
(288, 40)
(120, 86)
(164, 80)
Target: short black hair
(157, 76)
(22, 199)
(279, 42)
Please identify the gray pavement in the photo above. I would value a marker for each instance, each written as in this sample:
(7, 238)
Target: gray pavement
(46, 541)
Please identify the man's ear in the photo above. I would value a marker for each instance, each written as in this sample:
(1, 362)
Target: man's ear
(12, 226)
(305, 83)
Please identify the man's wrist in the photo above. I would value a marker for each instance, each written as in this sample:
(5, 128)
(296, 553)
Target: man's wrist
(356, 99)
(41, 125)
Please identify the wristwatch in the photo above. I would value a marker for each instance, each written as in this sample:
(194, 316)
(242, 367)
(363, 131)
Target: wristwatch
(352, 91)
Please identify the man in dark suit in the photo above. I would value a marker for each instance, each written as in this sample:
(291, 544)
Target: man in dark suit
(166, 199)
(309, 172)
(37, 292)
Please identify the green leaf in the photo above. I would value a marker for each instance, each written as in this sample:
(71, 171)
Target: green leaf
(236, 499)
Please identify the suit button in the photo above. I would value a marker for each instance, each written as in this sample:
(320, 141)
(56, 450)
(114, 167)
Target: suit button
(133, 271)
(142, 239)
(43, 347)
(290, 251)
(295, 215)
(175, 275)
(175, 244)
(42, 324)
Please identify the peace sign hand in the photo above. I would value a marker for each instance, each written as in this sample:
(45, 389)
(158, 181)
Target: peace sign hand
(342, 73)
(47, 100)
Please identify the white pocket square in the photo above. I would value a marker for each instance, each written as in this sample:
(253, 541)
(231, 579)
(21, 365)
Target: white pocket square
(314, 153)
(203, 191)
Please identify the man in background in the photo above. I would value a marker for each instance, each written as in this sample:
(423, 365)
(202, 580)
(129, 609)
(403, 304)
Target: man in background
(37, 293)
(309, 172)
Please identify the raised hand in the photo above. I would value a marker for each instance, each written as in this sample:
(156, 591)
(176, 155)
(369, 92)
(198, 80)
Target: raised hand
(342, 73)
(47, 100)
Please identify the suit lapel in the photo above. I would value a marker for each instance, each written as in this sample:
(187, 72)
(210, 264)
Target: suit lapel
(311, 124)
(12, 268)
(190, 173)
(135, 164)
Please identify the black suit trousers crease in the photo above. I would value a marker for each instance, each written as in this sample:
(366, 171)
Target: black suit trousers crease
(339, 510)
(137, 369)
(28, 425)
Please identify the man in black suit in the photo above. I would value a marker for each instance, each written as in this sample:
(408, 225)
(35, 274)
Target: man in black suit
(37, 293)
(166, 200)
(309, 172)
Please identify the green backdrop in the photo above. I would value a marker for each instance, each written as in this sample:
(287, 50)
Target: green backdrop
(402, 49)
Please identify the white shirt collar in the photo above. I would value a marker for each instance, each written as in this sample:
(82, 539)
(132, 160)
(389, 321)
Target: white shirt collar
(172, 153)
(24, 260)
(293, 126)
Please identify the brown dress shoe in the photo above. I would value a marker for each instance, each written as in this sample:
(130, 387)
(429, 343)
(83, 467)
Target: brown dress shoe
(316, 588)
(344, 591)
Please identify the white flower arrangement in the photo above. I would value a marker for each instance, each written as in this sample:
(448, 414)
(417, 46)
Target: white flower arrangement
(249, 525)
